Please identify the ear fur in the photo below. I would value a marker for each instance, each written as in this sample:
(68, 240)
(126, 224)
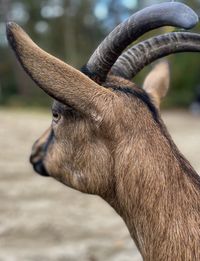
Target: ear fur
(157, 82)
(58, 79)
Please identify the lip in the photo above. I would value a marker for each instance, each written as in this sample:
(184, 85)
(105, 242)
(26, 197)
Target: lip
(40, 169)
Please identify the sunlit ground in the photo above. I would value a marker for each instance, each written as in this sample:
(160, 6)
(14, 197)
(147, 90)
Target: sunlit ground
(41, 219)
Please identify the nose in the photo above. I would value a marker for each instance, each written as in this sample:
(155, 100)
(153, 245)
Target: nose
(38, 153)
(36, 159)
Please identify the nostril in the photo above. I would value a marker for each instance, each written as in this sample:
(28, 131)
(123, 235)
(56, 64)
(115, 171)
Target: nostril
(37, 154)
(36, 157)
(36, 160)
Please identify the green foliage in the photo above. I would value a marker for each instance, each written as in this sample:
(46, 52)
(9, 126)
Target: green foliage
(71, 31)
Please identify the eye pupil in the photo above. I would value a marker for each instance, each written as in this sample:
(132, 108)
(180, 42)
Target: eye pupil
(56, 116)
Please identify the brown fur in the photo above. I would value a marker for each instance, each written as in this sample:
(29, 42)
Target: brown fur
(133, 164)
(113, 143)
(56, 78)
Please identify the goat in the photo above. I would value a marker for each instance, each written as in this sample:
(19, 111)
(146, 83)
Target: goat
(107, 137)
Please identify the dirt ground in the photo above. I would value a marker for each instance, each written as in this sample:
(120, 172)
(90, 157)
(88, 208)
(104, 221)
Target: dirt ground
(42, 220)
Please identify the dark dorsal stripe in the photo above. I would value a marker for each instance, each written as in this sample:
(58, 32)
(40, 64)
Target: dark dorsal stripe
(143, 96)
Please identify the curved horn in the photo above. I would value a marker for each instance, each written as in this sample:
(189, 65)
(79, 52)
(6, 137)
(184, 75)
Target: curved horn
(144, 53)
(59, 80)
(171, 13)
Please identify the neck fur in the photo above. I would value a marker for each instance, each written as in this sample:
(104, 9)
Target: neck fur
(158, 196)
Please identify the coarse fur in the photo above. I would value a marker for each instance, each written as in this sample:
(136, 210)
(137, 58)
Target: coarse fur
(110, 140)
(134, 165)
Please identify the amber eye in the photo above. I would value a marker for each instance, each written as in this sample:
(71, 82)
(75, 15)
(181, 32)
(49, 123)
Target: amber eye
(56, 116)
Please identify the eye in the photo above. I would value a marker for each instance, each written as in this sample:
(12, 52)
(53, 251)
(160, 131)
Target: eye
(56, 116)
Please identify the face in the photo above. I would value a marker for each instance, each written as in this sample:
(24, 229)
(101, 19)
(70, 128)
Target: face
(79, 147)
(74, 151)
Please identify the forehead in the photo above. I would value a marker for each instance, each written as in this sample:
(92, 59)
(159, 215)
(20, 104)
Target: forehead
(130, 90)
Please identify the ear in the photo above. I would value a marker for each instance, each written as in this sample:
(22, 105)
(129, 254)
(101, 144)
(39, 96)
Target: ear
(156, 84)
(58, 79)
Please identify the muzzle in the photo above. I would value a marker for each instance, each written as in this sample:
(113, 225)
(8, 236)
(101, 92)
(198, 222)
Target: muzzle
(39, 151)
(36, 159)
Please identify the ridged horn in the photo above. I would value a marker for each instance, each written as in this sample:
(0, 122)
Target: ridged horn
(136, 58)
(56, 78)
(170, 13)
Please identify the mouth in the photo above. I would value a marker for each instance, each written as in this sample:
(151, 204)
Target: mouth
(40, 169)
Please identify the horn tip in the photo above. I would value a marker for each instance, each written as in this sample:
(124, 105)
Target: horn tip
(189, 16)
(182, 15)
(192, 21)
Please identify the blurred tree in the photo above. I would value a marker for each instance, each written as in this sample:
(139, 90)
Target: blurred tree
(71, 30)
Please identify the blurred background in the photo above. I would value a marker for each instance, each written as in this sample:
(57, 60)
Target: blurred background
(71, 30)
(41, 219)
